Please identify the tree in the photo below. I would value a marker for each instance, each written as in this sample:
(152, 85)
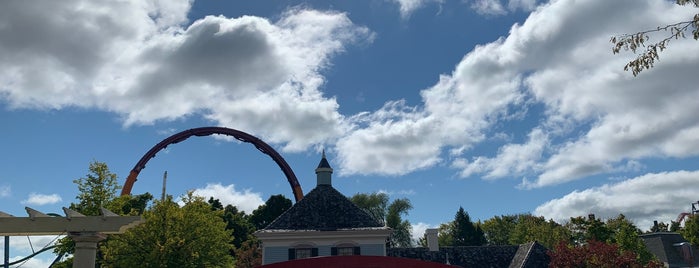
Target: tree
(530, 228)
(270, 210)
(391, 215)
(444, 234)
(193, 235)
(464, 232)
(586, 229)
(595, 254)
(248, 255)
(376, 204)
(691, 229)
(626, 235)
(236, 221)
(499, 228)
(401, 228)
(96, 190)
(637, 41)
(659, 227)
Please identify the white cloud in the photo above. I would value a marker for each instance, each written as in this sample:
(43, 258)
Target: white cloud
(524, 5)
(5, 191)
(488, 7)
(246, 200)
(511, 160)
(148, 65)
(21, 246)
(419, 230)
(407, 7)
(36, 262)
(597, 118)
(397, 192)
(653, 196)
(42, 199)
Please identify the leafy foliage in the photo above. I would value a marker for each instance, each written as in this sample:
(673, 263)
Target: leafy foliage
(273, 207)
(691, 229)
(626, 235)
(391, 215)
(189, 236)
(376, 204)
(530, 228)
(650, 51)
(586, 229)
(248, 255)
(464, 232)
(95, 190)
(595, 254)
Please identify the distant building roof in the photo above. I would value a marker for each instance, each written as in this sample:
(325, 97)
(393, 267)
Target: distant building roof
(666, 246)
(323, 209)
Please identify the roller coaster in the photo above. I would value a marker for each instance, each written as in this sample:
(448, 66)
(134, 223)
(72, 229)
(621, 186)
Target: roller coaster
(206, 131)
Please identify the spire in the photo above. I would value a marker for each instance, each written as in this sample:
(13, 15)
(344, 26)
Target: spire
(324, 171)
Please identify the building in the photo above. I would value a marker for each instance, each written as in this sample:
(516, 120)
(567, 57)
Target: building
(671, 249)
(325, 229)
(323, 223)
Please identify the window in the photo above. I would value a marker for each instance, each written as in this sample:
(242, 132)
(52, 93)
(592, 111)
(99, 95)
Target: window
(302, 253)
(345, 251)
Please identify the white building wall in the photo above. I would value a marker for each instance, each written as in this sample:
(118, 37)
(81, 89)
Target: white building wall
(275, 254)
(373, 249)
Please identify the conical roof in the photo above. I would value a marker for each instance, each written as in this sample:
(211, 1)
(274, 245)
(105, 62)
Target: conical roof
(323, 209)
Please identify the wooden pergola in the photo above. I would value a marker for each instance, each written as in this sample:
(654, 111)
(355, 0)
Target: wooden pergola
(86, 231)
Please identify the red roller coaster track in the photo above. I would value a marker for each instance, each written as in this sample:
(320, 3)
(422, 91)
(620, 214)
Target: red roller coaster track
(206, 131)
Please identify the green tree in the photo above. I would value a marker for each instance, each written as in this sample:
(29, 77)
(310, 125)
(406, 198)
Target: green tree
(270, 210)
(650, 51)
(691, 229)
(626, 235)
(499, 228)
(530, 228)
(193, 235)
(376, 204)
(659, 227)
(586, 229)
(96, 190)
(444, 234)
(236, 221)
(464, 232)
(391, 215)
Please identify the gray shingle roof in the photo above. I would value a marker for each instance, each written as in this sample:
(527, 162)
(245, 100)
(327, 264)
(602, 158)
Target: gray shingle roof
(323, 209)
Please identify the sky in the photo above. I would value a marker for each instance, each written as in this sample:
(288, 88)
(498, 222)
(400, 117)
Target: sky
(497, 106)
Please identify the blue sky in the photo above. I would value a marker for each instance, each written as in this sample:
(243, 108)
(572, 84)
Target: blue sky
(497, 106)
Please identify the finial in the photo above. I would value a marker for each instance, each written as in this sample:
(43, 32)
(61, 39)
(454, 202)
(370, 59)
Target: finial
(323, 152)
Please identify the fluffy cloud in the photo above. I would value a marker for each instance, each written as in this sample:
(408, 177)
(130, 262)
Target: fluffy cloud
(138, 59)
(42, 199)
(596, 117)
(246, 200)
(497, 7)
(511, 159)
(407, 7)
(654, 196)
(419, 230)
(488, 7)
